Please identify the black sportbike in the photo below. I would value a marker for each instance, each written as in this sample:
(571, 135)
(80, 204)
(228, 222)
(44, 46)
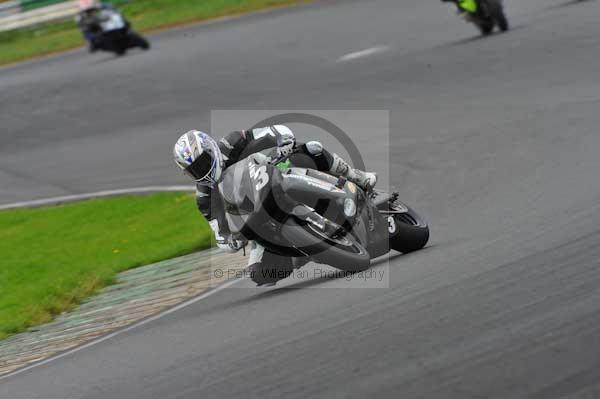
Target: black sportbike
(489, 14)
(310, 215)
(111, 32)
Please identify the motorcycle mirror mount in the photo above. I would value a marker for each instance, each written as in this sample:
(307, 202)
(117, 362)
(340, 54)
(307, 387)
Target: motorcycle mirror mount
(341, 182)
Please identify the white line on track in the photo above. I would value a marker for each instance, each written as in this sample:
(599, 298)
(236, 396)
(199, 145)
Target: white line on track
(107, 193)
(126, 329)
(363, 53)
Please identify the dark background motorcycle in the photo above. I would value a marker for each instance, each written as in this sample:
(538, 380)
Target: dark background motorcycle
(106, 29)
(117, 41)
(489, 14)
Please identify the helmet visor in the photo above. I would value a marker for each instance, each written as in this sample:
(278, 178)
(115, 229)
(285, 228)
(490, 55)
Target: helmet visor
(201, 168)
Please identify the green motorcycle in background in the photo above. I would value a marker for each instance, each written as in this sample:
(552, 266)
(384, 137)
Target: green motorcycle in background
(485, 14)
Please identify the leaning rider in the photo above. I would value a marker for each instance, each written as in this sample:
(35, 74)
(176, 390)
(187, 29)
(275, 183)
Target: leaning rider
(204, 159)
(88, 20)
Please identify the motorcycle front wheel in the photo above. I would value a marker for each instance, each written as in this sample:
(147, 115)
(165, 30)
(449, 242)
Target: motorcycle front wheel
(136, 40)
(408, 231)
(502, 21)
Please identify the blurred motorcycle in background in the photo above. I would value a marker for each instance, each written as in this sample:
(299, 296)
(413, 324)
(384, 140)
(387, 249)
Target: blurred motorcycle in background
(485, 14)
(106, 29)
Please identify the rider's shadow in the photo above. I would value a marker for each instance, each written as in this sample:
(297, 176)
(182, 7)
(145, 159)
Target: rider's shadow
(382, 260)
(107, 57)
(282, 290)
(574, 2)
(320, 280)
(479, 37)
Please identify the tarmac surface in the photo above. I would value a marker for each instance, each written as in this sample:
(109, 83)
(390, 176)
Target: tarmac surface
(494, 140)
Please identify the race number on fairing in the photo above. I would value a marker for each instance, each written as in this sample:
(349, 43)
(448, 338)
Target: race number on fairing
(259, 175)
(391, 224)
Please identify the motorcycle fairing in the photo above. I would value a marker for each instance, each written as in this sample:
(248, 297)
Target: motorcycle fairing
(468, 5)
(247, 189)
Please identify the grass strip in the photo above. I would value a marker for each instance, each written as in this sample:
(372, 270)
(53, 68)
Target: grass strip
(145, 15)
(52, 258)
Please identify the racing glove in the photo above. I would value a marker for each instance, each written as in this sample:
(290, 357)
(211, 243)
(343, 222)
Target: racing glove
(286, 142)
(226, 242)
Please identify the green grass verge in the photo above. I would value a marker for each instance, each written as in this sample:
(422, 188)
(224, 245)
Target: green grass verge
(52, 258)
(144, 15)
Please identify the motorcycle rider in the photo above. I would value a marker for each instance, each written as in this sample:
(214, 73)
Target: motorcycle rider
(104, 28)
(88, 20)
(204, 159)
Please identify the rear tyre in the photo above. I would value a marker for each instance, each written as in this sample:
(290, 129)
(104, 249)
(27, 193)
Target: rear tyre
(486, 27)
(342, 252)
(115, 41)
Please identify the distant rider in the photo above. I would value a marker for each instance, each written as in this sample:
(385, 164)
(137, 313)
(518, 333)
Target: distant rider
(204, 159)
(91, 20)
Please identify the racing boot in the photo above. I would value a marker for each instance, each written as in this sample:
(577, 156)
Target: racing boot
(365, 180)
(266, 268)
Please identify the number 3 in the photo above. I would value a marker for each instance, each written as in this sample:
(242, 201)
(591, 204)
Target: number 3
(391, 224)
(262, 177)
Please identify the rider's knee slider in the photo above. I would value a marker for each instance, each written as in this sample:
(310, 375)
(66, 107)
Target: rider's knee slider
(314, 148)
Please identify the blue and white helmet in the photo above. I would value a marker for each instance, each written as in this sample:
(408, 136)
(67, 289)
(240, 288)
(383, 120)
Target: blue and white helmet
(199, 156)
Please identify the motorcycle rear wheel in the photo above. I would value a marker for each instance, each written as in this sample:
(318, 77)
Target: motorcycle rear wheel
(486, 27)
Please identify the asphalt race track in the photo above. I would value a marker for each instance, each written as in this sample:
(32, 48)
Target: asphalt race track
(495, 140)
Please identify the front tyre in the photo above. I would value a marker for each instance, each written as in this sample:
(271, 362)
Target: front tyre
(343, 252)
(136, 40)
(502, 21)
(408, 231)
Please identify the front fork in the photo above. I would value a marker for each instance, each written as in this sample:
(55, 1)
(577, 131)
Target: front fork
(391, 211)
(381, 221)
